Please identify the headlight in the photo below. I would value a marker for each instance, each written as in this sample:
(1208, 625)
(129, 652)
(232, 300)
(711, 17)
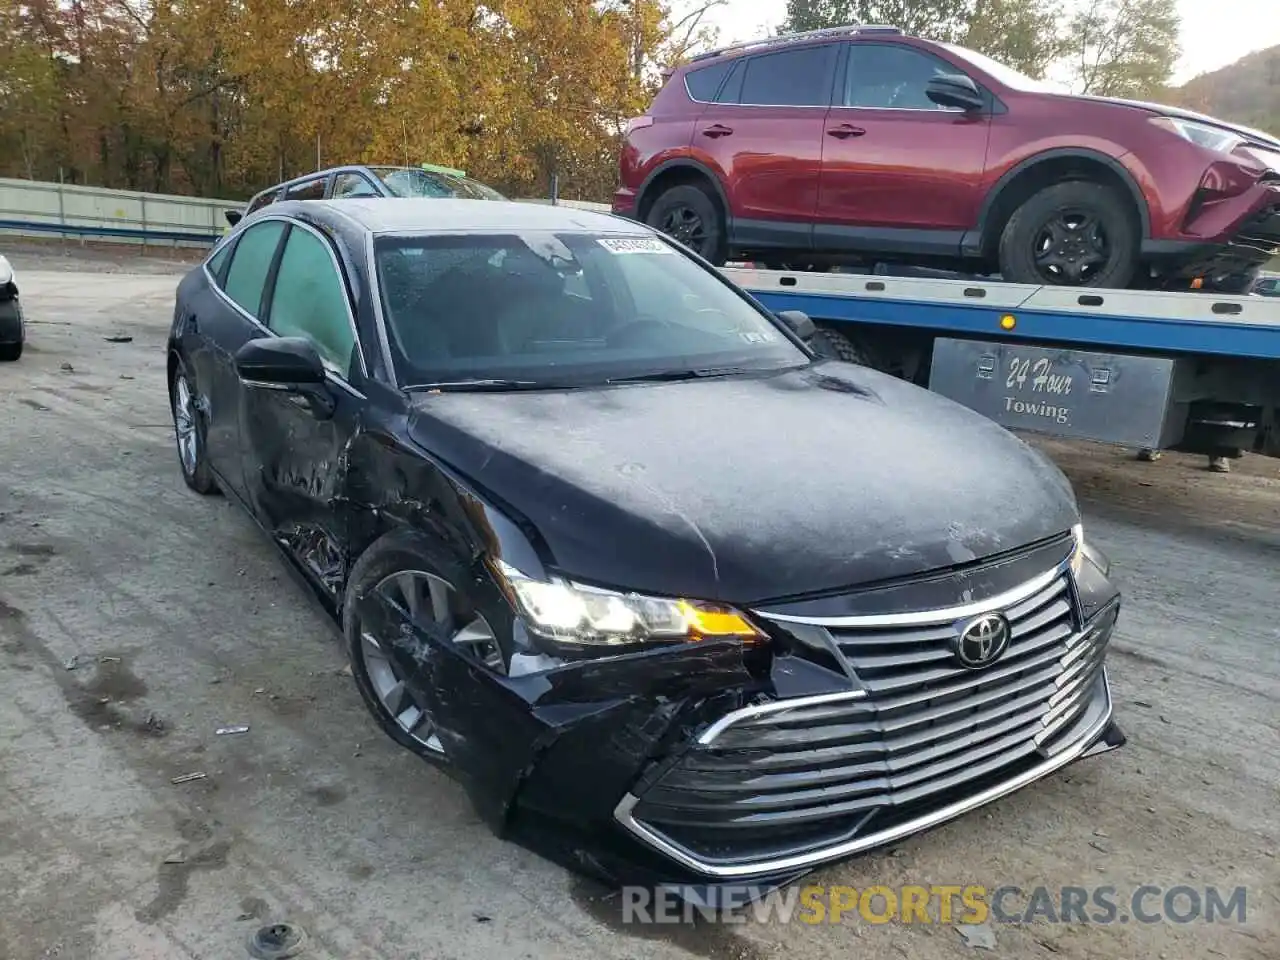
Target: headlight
(592, 617)
(1201, 134)
(1077, 550)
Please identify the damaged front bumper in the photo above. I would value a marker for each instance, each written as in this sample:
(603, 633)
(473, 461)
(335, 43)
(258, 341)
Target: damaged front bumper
(715, 764)
(1232, 227)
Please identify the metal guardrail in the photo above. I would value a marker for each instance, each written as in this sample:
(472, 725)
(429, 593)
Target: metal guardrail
(39, 209)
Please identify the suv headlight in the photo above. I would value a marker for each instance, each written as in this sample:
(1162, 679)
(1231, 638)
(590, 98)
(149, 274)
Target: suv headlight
(595, 618)
(1201, 134)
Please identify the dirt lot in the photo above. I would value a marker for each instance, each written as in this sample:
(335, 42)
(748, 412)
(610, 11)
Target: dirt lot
(136, 618)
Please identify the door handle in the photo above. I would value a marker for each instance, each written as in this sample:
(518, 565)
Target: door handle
(845, 130)
(717, 130)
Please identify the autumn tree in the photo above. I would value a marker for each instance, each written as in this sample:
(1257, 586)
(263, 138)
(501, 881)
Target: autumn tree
(1022, 33)
(1124, 47)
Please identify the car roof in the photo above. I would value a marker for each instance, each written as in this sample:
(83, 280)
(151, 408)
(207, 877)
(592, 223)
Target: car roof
(439, 215)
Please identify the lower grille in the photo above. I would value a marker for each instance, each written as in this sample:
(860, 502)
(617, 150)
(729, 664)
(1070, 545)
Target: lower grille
(921, 728)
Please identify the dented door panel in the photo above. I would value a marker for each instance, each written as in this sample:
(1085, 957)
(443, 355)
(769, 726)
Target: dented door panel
(295, 476)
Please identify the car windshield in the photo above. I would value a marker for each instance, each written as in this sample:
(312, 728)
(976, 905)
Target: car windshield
(998, 71)
(553, 309)
(409, 182)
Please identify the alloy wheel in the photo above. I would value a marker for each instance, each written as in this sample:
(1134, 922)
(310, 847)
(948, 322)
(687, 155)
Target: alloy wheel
(1071, 248)
(184, 425)
(685, 224)
(427, 598)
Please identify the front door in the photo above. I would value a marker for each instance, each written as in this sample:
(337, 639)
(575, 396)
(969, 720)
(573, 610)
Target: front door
(295, 468)
(900, 174)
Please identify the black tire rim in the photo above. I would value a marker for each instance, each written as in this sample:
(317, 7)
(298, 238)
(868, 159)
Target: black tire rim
(1071, 247)
(685, 224)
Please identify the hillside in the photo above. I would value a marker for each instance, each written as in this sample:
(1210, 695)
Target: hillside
(1247, 91)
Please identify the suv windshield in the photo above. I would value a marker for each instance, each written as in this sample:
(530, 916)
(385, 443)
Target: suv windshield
(408, 182)
(1010, 77)
(546, 309)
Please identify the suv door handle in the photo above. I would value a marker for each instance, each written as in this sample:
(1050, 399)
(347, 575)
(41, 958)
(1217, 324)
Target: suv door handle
(717, 130)
(846, 130)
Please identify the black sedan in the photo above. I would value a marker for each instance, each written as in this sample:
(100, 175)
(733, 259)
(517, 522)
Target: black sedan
(676, 599)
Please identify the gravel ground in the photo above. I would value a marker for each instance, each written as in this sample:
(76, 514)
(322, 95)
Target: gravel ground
(136, 618)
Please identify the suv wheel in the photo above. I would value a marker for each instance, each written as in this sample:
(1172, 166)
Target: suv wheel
(688, 214)
(1074, 234)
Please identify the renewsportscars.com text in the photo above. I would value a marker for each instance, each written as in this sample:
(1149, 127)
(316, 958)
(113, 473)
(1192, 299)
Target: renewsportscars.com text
(938, 903)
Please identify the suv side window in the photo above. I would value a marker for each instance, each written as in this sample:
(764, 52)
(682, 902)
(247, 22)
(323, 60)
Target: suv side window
(262, 200)
(891, 77)
(792, 78)
(703, 83)
(353, 185)
(250, 264)
(307, 190)
(310, 300)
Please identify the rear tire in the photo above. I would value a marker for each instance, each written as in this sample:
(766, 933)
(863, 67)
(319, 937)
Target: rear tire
(9, 352)
(189, 433)
(689, 214)
(1076, 234)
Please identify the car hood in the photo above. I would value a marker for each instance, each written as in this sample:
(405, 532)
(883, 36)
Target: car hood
(747, 489)
(1258, 138)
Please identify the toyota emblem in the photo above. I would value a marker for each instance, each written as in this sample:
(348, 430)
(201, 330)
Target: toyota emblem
(982, 641)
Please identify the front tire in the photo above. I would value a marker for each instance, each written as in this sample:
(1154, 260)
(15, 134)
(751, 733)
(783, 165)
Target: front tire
(689, 214)
(189, 433)
(10, 352)
(1073, 234)
(405, 566)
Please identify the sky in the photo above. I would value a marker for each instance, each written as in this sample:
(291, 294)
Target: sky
(1214, 32)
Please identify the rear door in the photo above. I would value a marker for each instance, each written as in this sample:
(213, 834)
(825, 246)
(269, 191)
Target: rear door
(293, 456)
(899, 172)
(223, 320)
(764, 138)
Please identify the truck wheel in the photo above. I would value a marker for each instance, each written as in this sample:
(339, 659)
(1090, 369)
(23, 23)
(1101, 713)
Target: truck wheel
(1073, 234)
(688, 214)
(836, 346)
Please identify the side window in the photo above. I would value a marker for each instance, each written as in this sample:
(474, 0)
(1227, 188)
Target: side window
(262, 200)
(793, 78)
(250, 264)
(218, 261)
(307, 190)
(309, 300)
(352, 185)
(703, 83)
(891, 77)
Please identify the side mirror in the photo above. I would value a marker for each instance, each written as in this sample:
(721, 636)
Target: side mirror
(955, 90)
(798, 322)
(233, 216)
(288, 364)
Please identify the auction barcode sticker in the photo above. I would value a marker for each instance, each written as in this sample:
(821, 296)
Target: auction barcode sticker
(633, 245)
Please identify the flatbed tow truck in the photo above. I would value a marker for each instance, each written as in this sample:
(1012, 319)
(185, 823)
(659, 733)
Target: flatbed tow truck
(1152, 370)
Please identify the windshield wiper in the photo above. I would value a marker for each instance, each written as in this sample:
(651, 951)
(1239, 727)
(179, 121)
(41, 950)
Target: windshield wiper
(480, 384)
(690, 374)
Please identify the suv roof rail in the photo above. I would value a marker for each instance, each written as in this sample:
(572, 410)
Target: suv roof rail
(781, 39)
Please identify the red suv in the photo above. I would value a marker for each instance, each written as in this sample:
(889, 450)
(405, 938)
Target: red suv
(861, 143)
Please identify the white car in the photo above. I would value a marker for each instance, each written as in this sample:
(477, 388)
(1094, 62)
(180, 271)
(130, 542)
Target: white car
(12, 330)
